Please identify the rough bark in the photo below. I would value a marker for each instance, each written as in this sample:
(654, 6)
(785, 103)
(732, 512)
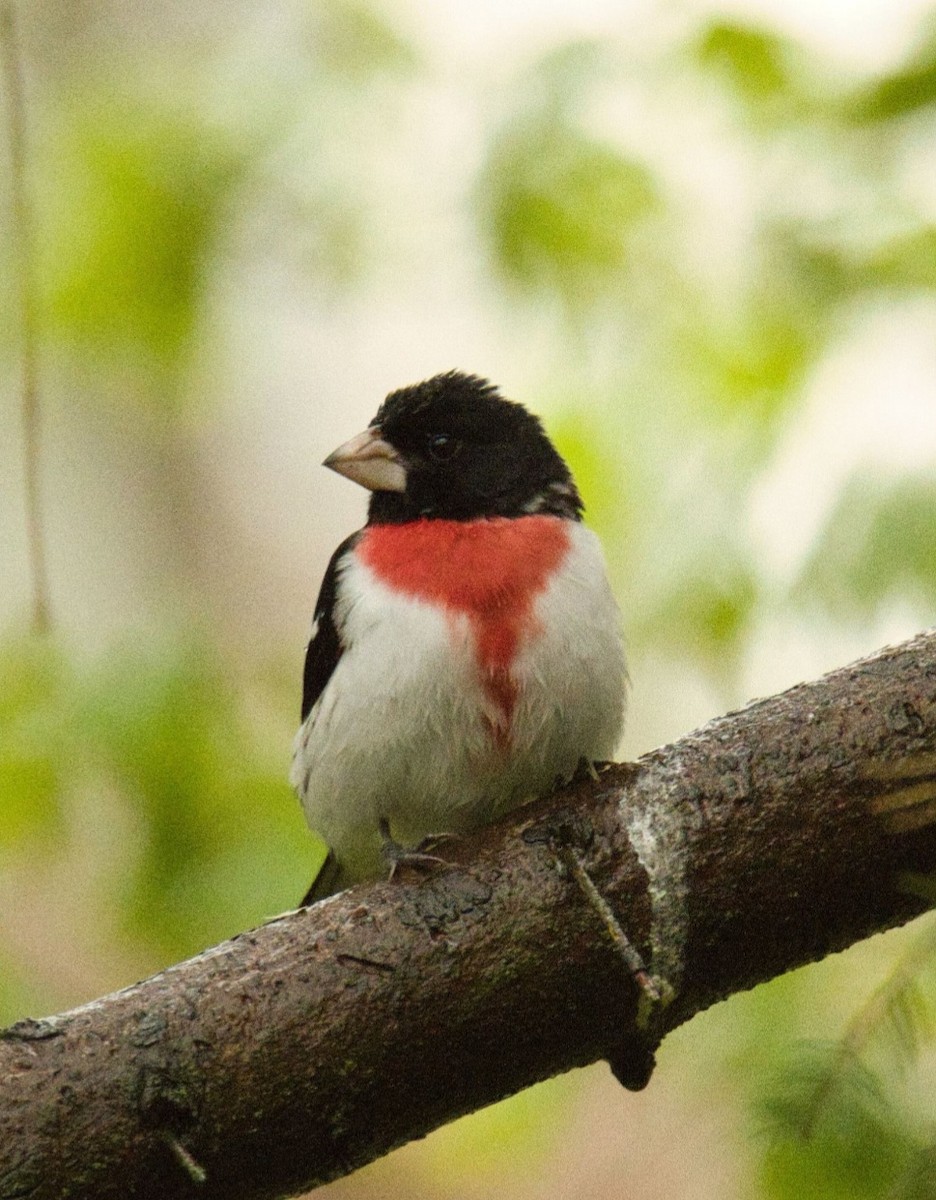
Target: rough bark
(306, 1048)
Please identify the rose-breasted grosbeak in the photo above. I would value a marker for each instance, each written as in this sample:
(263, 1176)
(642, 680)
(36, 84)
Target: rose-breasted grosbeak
(466, 649)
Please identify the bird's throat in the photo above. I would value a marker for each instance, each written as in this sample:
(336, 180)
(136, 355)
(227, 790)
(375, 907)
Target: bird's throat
(489, 571)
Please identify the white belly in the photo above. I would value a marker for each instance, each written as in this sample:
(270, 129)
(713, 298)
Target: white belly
(405, 730)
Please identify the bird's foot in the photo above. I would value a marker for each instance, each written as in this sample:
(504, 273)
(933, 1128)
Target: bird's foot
(418, 856)
(585, 769)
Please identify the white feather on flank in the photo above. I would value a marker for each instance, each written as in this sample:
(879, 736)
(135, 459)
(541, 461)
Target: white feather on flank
(403, 727)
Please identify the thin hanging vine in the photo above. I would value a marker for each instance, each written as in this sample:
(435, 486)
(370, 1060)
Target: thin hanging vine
(11, 59)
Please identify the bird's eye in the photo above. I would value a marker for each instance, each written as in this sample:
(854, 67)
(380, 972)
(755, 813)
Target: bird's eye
(442, 447)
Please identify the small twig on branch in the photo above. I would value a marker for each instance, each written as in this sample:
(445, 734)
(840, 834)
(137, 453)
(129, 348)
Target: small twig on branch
(28, 302)
(306, 1048)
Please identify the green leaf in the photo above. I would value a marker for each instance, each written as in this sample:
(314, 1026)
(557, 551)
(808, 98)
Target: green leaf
(880, 541)
(560, 211)
(824, 1108)
(707, 616)
(918, 1181)
(750, 366)
(899, 1017)
(752, 61)
(833, 1130)
(751, 359)
(899, 94)
(827, 269)
(220, 837)
(563, 77)
(36, 746)
(823, 1087)
(354, 40)
(595, 461)
(907, 261)
(137, 196)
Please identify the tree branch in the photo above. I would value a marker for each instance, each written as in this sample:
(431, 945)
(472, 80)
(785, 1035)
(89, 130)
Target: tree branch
(297, 1052)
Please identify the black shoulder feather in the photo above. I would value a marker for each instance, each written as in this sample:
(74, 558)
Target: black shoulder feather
(325, 648)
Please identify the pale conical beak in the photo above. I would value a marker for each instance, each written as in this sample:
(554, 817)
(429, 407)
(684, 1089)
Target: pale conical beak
(369, 461)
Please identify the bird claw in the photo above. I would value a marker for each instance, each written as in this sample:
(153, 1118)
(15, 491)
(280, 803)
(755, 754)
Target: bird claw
(431, 840)
(585, 769)
(416, 857)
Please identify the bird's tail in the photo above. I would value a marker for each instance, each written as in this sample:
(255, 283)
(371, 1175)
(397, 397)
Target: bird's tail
(329, 880)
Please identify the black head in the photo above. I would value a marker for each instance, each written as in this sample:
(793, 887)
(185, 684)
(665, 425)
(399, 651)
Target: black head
(454, 448)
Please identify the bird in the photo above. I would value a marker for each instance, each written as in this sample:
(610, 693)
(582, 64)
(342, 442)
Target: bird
(466, 650)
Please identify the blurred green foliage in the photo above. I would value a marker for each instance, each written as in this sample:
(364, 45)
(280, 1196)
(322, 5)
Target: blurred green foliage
(561, 209)
(155, 774)
(675, 360)
(140, 196)
(879, 543)
(905, 92)
(156, 743)
(353, 42)
(837, 1115)
(220, 841)
(35, 679)
(752, 61)
(853, 1148)
(564, 209)
(147, 175)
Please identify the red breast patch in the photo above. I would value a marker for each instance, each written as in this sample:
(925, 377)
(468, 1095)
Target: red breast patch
(489, 570)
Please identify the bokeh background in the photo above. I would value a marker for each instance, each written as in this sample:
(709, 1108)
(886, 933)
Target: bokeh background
(699, 239)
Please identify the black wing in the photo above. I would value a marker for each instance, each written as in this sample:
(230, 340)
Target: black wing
(325, 648)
